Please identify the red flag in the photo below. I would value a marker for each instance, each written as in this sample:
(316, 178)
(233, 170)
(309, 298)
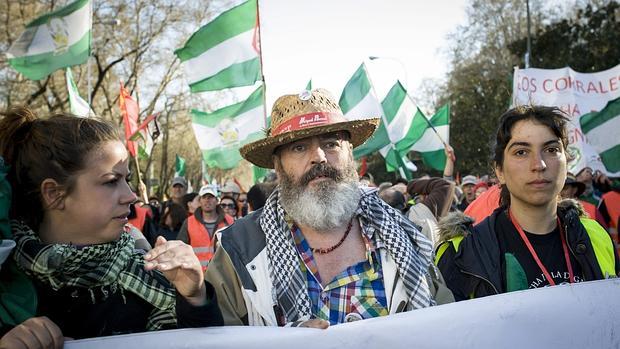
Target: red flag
(130, 111)
(143, 128)
(363, 167)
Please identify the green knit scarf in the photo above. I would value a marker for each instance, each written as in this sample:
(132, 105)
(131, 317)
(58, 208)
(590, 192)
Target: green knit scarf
(114, 264)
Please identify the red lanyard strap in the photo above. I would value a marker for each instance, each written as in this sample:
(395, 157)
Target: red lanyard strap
(571, 276)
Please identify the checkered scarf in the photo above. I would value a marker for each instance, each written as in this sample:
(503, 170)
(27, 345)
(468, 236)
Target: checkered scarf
(115, 264)
(409, 248)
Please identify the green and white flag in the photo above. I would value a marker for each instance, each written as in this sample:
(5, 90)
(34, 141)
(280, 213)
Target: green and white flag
(601, 130)
(410, 130)
(358, 101)
(78, 106)
(224, 53)
(221, 133)
(55, 40)
(179, 166)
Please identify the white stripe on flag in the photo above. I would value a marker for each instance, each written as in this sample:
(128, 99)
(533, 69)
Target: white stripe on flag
(430, 141)
(235, 50)
(245, 125)
(604, 136)
(75, 26)
(368, 107)
(401, 123)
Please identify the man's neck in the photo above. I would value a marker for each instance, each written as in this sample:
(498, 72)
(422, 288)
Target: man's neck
(178, 201)
(324, 238)
(209, 216)
(539, 220)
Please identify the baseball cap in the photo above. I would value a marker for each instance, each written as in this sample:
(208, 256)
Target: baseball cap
(179, 180)
(208, 189)
(469, 179)
(230, 187)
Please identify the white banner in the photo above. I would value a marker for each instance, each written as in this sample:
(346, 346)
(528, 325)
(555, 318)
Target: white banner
(583, 315)
(576, 94)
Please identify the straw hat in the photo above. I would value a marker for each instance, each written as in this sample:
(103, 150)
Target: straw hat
(308, 114)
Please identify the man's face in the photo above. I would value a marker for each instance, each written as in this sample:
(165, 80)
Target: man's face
(178, 191)
(318, 181)
(314, 160)
(468, 190)
(208, 203)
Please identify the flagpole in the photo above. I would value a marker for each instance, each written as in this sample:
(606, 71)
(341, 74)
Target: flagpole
(260, 56)
(384, 121)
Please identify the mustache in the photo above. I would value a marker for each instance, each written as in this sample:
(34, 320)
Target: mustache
(321, 170)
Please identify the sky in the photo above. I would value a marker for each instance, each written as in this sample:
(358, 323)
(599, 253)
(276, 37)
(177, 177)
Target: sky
(327, 40)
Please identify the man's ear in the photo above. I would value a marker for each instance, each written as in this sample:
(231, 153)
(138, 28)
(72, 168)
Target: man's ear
(53, 194)
(276, 163)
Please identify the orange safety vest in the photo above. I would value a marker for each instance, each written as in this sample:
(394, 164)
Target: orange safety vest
(140, 218)
(200, 240)
(612, 202)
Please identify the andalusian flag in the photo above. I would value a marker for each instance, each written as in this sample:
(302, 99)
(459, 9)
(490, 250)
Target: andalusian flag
(410, 130)
(601, 129)
(56, 40)
(358, 101)
(78, 106)
(221, 133)
(225, 52)
(179, 166)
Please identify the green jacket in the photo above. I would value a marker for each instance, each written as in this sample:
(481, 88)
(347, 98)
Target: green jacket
(18, 299)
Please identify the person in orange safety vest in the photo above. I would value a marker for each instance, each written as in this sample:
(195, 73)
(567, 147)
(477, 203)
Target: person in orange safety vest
(199, 229)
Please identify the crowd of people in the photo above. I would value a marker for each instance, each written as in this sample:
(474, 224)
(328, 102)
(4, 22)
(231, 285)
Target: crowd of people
(316, 247)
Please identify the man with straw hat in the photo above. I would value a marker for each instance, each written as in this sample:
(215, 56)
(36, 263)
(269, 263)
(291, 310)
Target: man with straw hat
(323, 250)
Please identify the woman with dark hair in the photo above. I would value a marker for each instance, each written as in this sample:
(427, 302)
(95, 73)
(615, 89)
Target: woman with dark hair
(229, 205)
(191, 201)
(532, 240)
(171, 221)
(70, 205)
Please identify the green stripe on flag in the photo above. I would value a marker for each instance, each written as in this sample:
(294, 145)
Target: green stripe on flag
(61, 12)
(593, 120)
(37, 67)
(242, 74)
(212, 119)
(435, 159)
(415, 132)
(235, 21)
(611, 159)
(356, 89)
(392, 102)
(378, 140)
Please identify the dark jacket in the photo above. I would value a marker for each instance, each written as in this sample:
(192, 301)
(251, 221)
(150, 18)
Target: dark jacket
(102, 311)
(470, 259)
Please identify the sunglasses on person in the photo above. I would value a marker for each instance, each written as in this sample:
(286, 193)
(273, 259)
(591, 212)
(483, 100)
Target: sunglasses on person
(227, 206)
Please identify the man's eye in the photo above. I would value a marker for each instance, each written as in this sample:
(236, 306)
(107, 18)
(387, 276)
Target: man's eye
(298, 148)
(331, 145)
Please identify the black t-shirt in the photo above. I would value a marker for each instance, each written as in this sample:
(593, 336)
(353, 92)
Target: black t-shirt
(521, 270)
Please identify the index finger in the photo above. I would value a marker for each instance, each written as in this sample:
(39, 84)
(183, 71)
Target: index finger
(161, 246)
(55, 333)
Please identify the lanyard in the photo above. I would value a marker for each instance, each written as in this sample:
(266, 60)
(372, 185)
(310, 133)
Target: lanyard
(571, 276)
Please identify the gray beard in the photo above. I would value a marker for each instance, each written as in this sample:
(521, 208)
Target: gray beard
(327, 206)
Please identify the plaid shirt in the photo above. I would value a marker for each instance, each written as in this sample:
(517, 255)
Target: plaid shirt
(358, 290)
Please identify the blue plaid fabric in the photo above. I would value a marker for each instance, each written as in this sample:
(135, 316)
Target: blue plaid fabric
(358, 290)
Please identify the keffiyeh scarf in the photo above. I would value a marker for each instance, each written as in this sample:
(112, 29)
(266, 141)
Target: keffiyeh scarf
(115, 264)
(410, 249)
